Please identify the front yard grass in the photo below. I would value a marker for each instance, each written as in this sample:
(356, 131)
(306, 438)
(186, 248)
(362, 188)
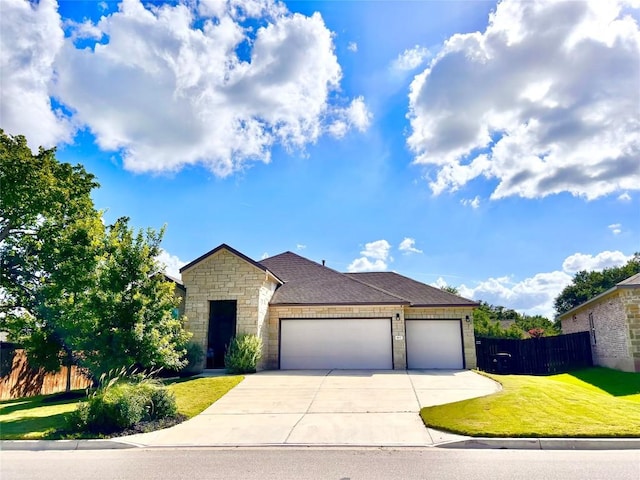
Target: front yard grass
(595, 402)
(42, 417)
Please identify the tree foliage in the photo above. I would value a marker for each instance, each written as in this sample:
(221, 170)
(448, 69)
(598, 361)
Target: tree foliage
(133, 306)
(586, 285)
(487, 318)
(71, 290)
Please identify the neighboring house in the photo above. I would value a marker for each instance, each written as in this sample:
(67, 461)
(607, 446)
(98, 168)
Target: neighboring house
(613, 319)
(310, 316)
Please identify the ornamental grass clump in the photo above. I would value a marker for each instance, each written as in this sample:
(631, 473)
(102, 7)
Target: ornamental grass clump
(123, 401)
(243, 353)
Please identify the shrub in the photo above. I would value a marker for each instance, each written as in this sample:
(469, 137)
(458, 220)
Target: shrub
(243, 353)
(123, 402)
(194, 357)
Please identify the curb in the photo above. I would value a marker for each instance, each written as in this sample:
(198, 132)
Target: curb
(546, 443)
(40, 445)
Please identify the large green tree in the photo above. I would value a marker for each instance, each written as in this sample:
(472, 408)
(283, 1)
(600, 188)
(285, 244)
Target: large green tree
(72, 290)
(133, 305)
(49, 236)
(586, 285)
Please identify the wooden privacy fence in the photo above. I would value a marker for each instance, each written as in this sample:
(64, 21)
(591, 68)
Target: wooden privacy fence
(534, 356)
(18, 379)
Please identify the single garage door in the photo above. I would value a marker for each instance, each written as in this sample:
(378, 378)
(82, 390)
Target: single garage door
(434, 344)
(353, 343)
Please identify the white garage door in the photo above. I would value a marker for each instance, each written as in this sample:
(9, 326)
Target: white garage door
(363, 343)
(434, 344)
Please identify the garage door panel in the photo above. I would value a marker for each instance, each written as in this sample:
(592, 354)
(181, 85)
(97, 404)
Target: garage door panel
(335, 343)
(434, 344)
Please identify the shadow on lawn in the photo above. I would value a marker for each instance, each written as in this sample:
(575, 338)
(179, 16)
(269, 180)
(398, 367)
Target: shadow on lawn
(16, 428)
(10, 406)
(614, 382)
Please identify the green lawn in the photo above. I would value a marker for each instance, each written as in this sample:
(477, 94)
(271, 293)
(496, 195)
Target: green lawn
(39, 417)
(596, 402)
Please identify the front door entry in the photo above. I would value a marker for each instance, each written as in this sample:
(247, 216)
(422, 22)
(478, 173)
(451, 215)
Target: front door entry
(222, 326)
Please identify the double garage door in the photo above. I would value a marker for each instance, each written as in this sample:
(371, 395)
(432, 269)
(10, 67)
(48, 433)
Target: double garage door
(366, 343)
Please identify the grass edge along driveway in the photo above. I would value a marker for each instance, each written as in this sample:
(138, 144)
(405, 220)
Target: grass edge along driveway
(36, 418)
(595, 402)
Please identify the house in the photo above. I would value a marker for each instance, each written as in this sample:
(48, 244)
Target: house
(613, 319)
(310, 316)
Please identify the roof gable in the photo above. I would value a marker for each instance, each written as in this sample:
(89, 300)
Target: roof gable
(417, 293)
(233, 251)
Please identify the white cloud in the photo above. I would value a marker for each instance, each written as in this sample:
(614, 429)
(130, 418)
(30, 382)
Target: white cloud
(300, 246)
(580, 261)
(364, 264)
(374, 257)
(545, 100)
(473, 203)
(352, 47)
(625, 197)
(212, 83)
(171, 262)
(411, 58)
(535, 295)
(264, 255)
(408, 246)
(30, 37)
(616, 228)
(356, 115)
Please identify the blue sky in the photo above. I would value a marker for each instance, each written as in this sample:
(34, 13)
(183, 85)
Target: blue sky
(490, 146)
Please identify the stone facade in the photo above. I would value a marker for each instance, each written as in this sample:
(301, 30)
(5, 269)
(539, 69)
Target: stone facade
(451, 313)
(615, 336)
(225, 276)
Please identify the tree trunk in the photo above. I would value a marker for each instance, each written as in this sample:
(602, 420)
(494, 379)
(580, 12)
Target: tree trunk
(69, 363)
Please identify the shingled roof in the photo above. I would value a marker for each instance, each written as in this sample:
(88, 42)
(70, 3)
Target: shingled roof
(416, 293)
(309, 283)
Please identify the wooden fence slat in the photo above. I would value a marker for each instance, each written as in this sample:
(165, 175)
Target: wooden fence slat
(23, 381)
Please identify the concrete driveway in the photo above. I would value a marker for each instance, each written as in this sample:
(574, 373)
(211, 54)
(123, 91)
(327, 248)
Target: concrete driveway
(325, 407)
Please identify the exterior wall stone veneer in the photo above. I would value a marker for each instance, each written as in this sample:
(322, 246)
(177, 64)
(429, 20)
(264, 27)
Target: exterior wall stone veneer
(451, 313)
(225, 276)
(615, 341)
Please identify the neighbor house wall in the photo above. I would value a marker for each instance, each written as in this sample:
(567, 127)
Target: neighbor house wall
(610, 340)
(451, 313)
(225, 276)
(277, 312)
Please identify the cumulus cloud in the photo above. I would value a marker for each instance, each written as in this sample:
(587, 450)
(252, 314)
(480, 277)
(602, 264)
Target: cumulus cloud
(374, 257)
(411, 58)
(30, 37)
(607, 259)
(216, 83)
(171, 263)
(356, 115)
(535, 295)
(300, 246)
(408, 246)
(545, 100)
(352, 47)
(473, 203)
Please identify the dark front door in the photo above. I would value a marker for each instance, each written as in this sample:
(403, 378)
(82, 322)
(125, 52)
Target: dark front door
(222, 326)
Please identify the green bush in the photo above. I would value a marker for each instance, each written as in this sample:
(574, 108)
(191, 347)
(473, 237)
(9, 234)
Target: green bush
(194, 356)
(123, 402)
(243, 353)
